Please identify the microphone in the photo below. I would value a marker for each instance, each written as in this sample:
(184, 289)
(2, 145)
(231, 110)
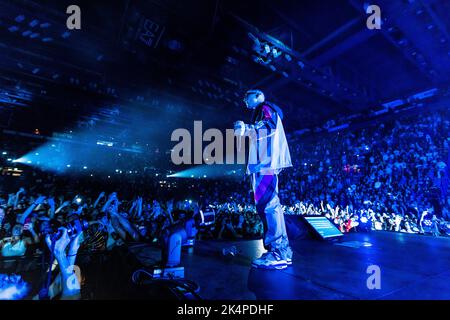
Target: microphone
(239, 131)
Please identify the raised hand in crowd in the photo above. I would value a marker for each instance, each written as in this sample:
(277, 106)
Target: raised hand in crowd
(65, 248)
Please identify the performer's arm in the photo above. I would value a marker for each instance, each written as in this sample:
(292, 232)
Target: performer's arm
(268, 121)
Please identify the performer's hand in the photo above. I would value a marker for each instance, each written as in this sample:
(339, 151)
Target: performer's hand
(239, 128)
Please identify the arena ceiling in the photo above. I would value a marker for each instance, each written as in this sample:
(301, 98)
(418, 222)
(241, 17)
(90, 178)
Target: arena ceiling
(194, 59)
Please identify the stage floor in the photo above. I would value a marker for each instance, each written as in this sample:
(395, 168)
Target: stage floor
(412, 267)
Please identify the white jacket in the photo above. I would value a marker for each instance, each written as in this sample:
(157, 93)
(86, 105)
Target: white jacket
(269, 150)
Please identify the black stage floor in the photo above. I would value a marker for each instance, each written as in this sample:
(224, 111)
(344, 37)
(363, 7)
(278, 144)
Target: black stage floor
(412, 267)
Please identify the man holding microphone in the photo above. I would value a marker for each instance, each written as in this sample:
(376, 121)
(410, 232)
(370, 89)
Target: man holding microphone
(268, 155)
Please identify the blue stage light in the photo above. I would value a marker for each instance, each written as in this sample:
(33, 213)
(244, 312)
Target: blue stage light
(21, 160)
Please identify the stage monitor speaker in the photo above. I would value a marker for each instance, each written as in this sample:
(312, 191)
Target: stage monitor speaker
(303, 227)
(296, 227)
(323, 227)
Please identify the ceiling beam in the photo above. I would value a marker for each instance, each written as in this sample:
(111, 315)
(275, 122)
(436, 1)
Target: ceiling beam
(304, 73)
(392, 12)
(331, 36)
(294, 25)
(436, 19)
(344, 46)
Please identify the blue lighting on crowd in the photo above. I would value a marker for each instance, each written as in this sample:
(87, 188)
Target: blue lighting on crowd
(100, 150)
(209, 171)
(12, 287)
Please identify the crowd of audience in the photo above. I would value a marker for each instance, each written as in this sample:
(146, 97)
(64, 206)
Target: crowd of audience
(390, 176)
(395, 174)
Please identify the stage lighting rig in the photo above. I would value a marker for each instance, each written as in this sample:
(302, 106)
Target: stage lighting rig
(296, 68)
(266, 52)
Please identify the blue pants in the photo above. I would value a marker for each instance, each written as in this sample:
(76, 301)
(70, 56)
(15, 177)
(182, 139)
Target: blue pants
(265, 189)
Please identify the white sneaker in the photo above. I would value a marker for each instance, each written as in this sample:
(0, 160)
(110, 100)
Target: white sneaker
(288, 256)
(270, 260)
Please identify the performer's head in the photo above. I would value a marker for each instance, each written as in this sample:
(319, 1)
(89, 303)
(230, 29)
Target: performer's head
(254, 98)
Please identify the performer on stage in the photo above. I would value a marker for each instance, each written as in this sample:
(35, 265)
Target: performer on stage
(268, 155)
